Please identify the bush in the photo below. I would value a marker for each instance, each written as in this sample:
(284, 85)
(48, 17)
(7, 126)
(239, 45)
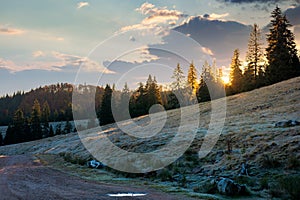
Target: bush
(74, 159)
(291, 185)
(264, 183)
(164, 175)
(293, 162)
(270, 162)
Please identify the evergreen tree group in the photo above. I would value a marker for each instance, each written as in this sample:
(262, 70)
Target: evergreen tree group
(281, 54)
(35, 127)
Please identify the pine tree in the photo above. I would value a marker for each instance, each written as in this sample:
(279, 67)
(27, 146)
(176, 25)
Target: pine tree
(123, 106)
(105, 115)
(138, 102)
(45, 119)
(45, 114)
(206, 78)
(153, 95)
(51, 132)
(68, 127)
(58, 130)
(236, 75)
(19, 127)
(192, 78)
(281, 51)
(254, 58)
(36, 127)
(178, 77)
(10, 137)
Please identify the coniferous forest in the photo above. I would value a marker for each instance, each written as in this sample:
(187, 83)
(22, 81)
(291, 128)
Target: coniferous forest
(27, 115)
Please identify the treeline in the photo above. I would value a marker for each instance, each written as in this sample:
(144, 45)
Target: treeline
(183, 91)
(57, 96)
(24, 129)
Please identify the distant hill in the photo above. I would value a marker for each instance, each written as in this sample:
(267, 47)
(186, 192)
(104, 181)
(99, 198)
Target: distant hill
(58, 96)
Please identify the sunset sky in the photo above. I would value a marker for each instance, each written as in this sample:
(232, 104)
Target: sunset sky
(45, 42)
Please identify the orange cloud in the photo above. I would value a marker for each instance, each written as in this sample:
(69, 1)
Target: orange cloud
(10, 31)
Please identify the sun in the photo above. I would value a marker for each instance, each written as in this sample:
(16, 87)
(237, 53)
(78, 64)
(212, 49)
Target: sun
(225, 80)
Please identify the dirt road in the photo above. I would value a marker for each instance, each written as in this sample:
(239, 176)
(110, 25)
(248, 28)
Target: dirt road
(24, 177)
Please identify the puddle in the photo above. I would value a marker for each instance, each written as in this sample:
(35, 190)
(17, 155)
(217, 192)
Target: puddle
(127, 195)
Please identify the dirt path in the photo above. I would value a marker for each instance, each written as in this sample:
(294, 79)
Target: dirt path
(23, 177)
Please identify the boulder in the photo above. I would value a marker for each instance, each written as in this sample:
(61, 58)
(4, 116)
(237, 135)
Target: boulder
(228, 187)
(287, 123)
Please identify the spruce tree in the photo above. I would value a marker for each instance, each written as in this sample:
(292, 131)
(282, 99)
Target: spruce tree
(192, 78)
(45, 114)
(51, 132)
(178, 77)
(68, 127)
(123, 106)
(236, 75)
(281, 51)
(58, 130)
(45, 119)
(153, 95)
(138, 102)
(105, 115)
(254, 58)
(10, 137)
(19, 127)
(206, 78)
(36, 127)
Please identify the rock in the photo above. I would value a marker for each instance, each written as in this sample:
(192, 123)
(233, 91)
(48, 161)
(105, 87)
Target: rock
(95, 164)
(228, 187)
(208, 186)
(244, 170)
(289, 123)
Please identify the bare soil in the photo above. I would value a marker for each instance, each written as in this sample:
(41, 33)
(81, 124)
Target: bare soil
(25, 177)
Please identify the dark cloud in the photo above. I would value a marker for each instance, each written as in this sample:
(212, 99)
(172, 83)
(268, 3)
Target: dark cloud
(293, 15)
(222, 37)
(206, 15)
(257, 1)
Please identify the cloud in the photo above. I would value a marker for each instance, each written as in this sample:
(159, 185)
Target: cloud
(217, 37)
(54, 61)
(16, 67)
(264, 5)
(37, 54)
(156, 17)
(132, 38)
(293, 15)
(10, 31)
(215, 16)
(207, 51)
(82, 4)
(256, 1)
(76, 61)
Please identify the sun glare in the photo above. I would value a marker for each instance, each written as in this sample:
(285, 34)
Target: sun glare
(225, 80)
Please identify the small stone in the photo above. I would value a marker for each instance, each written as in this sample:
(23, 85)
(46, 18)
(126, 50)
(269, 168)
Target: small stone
(228, 187)
(288, 123)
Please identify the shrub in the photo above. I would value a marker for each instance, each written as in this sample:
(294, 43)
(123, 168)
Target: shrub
(270, 162)
(74, 159)
(293, 162)
(291, 185)
(164, 175)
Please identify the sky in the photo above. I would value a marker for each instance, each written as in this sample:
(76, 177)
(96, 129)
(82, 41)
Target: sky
(98, 42)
